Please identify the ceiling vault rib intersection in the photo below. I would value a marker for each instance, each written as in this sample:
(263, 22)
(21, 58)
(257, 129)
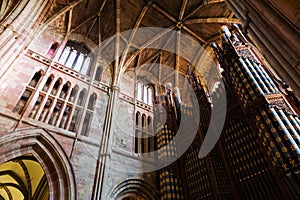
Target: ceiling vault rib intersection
(93, 17)
(175, 21)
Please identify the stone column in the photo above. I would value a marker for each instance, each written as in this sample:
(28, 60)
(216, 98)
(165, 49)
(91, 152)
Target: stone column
(18, 29)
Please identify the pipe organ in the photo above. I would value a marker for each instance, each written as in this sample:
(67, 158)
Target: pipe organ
(258, 154)
(267, 144)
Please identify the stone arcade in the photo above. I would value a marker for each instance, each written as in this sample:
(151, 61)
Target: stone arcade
(148, 99)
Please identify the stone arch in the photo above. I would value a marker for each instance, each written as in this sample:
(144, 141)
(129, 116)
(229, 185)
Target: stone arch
(49, 154)
(134, 187)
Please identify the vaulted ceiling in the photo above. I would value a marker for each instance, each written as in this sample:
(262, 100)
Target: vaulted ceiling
(198, 18)
(23, 178)
(101, 20)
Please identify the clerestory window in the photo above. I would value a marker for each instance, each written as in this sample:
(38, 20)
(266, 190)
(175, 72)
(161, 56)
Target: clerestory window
(77, 57)
(144, 93)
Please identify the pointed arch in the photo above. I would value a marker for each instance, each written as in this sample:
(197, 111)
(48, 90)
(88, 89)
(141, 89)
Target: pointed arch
(48, 83)
(49, 154)
(73, 94)
(92, 101)
(134, 187)
(82, 97)
(65, 89)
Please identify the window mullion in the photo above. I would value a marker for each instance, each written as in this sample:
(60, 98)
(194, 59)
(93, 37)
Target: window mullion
(64, 100)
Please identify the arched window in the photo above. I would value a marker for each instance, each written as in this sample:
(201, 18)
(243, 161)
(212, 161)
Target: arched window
(35, 79)
(75, 118)
(137, 144)
(76, 56)
(45, 111)
(24, 99)
(64, 56)
(98, 73)
(144, 141)
(92, 101)
(79, 62)
(73, 94)
(56, 87)
(64, 91)
(36, 107)
(139, 91)
(149, 95)
(151, 138)
(144, 93)
(55, 113)
(81, 98)
(65, 117)
(144, 138)
(77, 114)
(72, 58)
(85, 68)
(88, 115)
(52, 50)
(48, 82)
(149, 125)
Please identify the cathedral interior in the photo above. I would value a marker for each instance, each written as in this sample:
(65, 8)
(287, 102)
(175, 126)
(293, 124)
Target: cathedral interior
(149, 99)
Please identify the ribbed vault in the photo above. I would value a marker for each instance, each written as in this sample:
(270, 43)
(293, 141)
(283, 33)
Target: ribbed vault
(23, 178)
(100, 20)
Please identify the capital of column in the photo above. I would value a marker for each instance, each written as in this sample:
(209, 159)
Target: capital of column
(9, 26)
(2, 27)
(116, 88)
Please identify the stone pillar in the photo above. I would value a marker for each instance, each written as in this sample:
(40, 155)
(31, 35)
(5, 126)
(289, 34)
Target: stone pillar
(104, 149)
(18, 29)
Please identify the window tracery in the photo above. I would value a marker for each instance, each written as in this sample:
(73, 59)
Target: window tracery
(77, 57)
(144, 141)
(58, 103)
(144, 93)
